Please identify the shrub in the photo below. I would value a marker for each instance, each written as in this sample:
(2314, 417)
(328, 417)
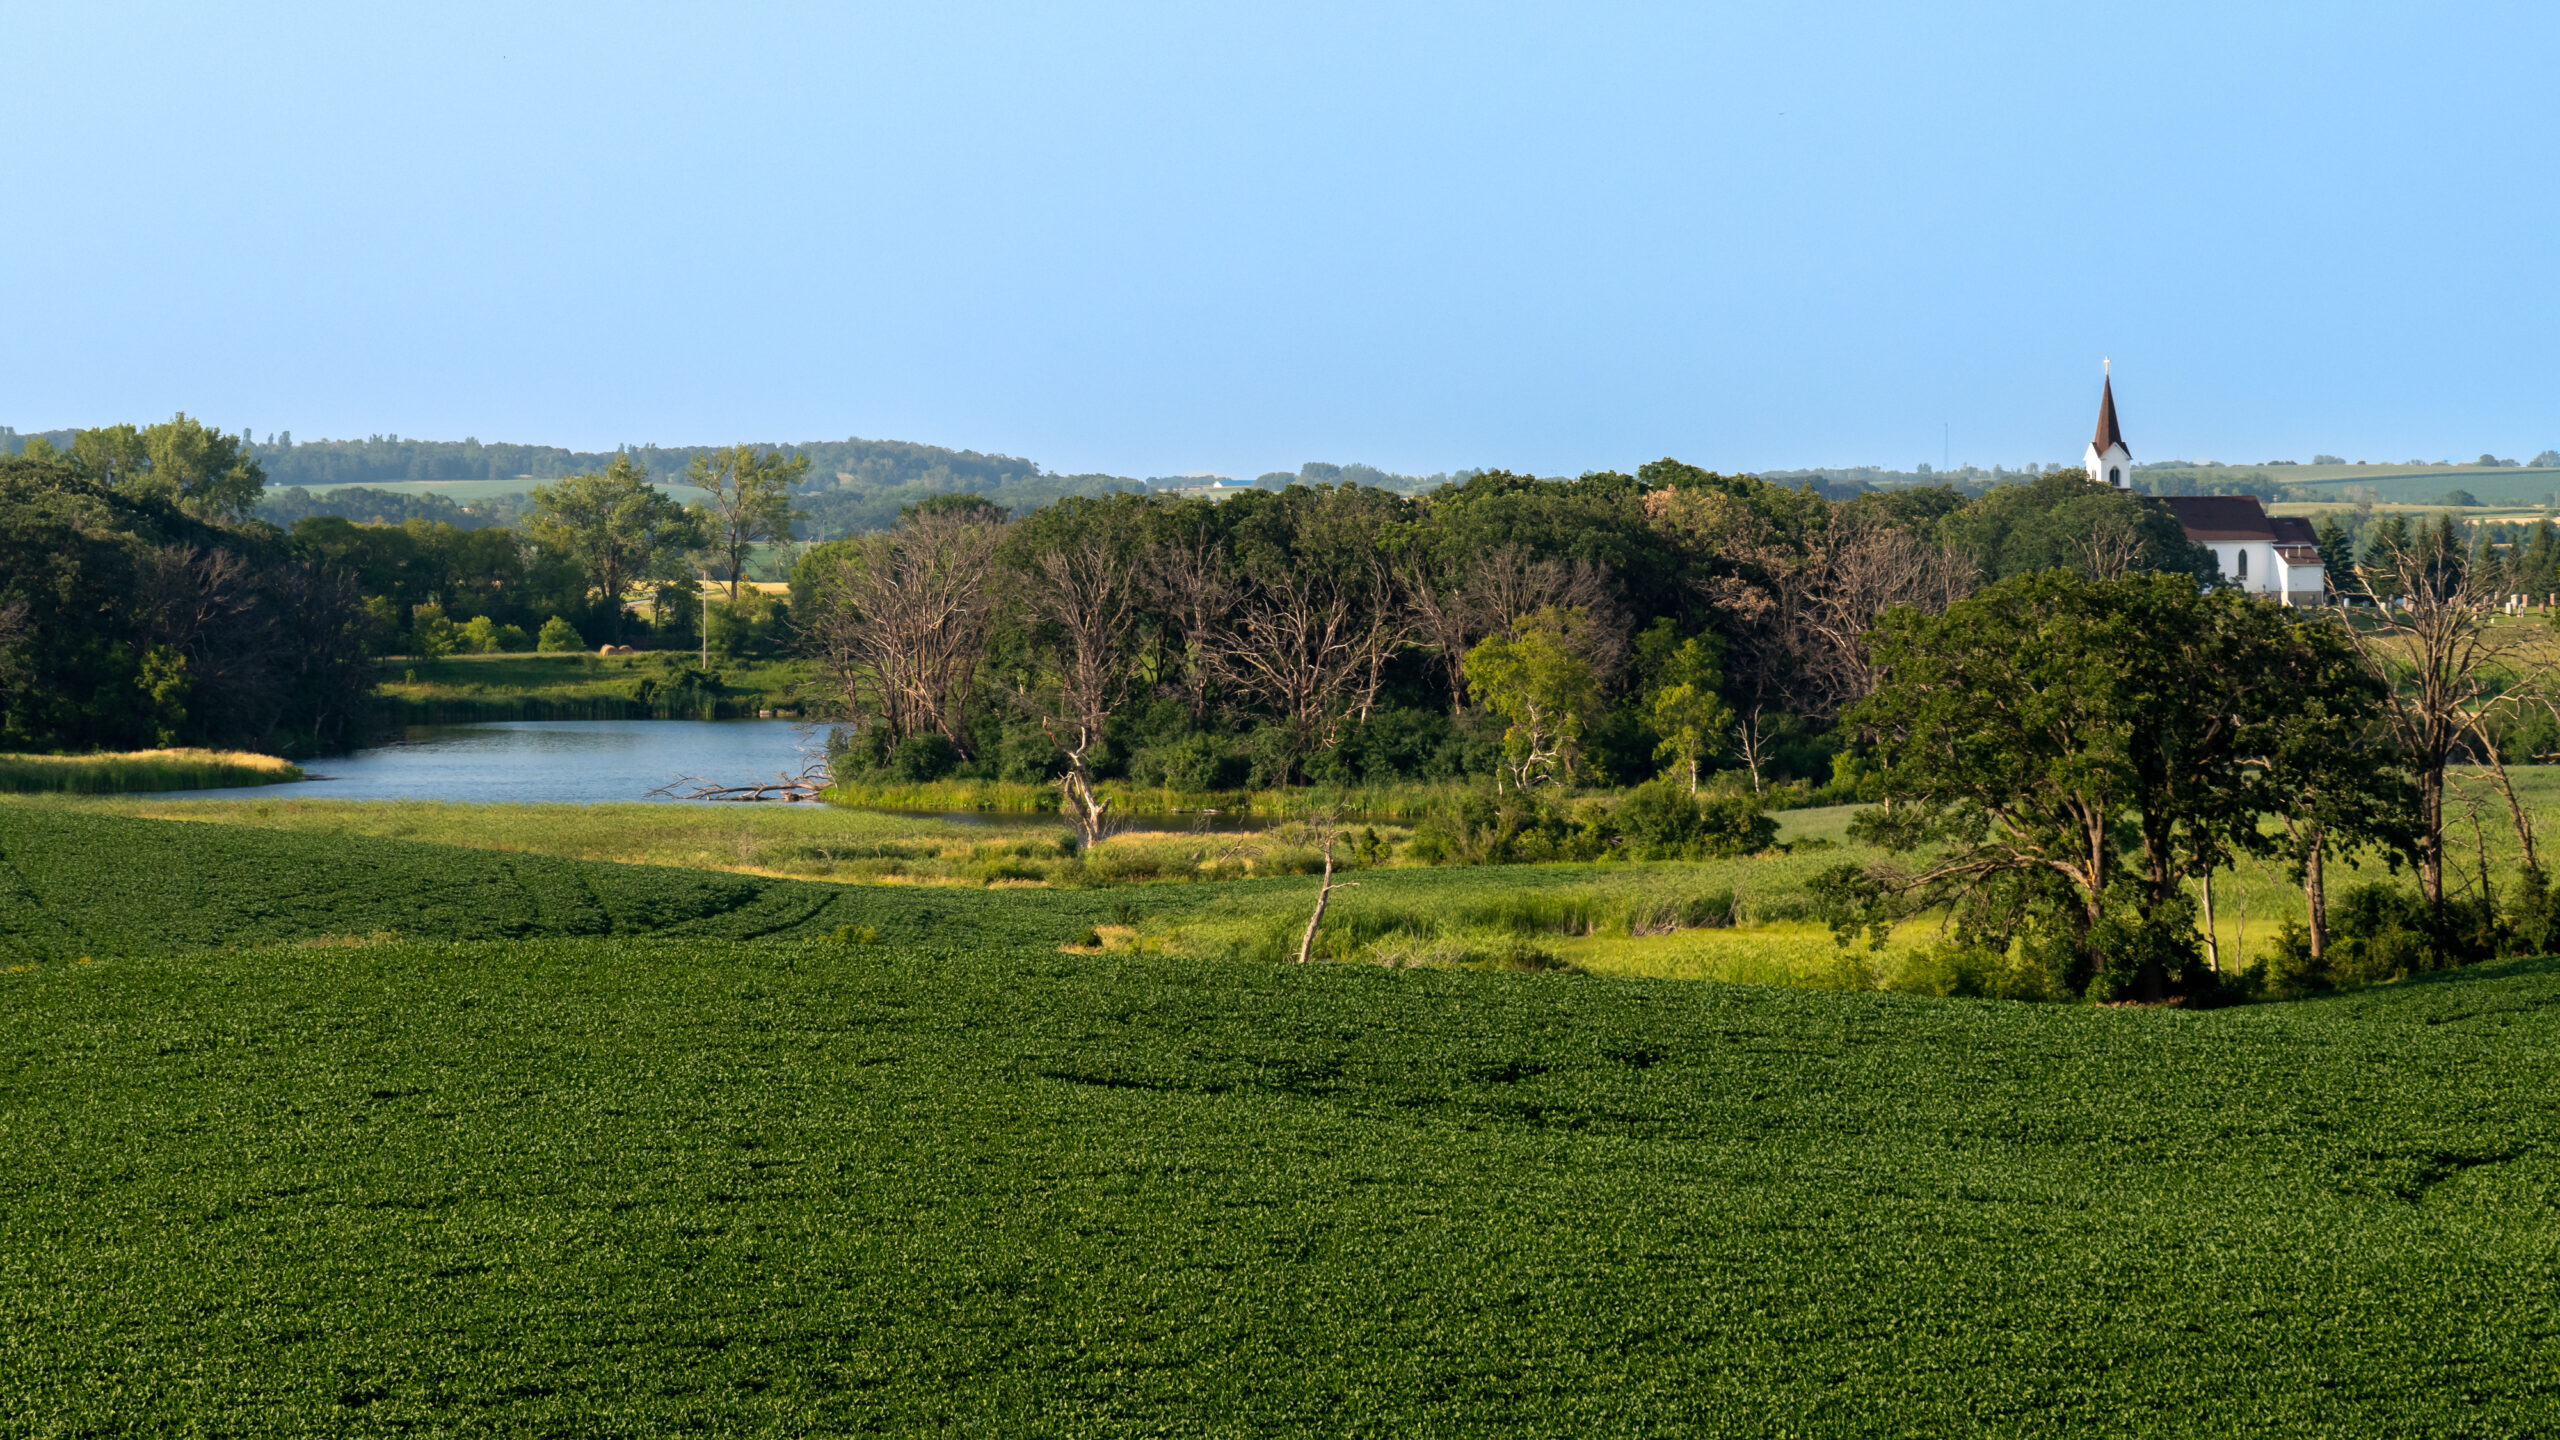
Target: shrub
(559, 637)
(1953, 968)
(2144, 957)
(481, 635)
(1194, 763)
(2533, 919)
(1710, 911)
(433, 635)
(921, 757)
(2377, 932)
(1026, 757)
(2288, 971)
(1662, 821)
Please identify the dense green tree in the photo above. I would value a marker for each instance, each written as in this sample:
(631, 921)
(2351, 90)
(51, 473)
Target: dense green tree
(126, 621)
(2064, 519)
(2335, 782)
(206, 472)
(750, 492)
(114, 454)
(2382, 545)
(2071, 753)
(1687, 712)
(2534, 564)
(1535, 678)
(616, 527)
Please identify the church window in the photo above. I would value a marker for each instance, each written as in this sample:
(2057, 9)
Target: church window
(2114, 476)
(2244, 564)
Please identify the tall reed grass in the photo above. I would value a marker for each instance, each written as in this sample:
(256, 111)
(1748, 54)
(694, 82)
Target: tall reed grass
(132, 771)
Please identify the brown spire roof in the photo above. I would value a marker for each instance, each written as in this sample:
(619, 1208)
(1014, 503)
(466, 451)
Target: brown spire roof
(2108, 431)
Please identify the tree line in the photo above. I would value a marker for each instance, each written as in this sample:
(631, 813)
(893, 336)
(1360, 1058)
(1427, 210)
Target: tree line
(2063, 719)
(1534, 633)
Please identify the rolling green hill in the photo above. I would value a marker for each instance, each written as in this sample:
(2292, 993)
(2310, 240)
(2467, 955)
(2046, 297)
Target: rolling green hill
(708, 1174)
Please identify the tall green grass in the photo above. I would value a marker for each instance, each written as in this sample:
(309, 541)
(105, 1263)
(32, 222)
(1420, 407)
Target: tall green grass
(135, 771)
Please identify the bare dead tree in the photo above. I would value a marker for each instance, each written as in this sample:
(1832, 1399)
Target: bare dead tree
(1083, 598)
(1441, 621)
(1190, 581)
(1327, 831)
(2112, 548)
(806, 788)
(1860, 570)
(1313, 645)
(900, 624)
(1493, 592)
(1796, 614)
(319, 629)
(204, 607)
(2455, 676)
(1505, 587)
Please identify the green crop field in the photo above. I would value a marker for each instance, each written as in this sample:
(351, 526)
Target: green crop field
(351, 1136)
(2424, 485)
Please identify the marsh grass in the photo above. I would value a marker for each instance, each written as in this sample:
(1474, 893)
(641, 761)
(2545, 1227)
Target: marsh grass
(132, 771)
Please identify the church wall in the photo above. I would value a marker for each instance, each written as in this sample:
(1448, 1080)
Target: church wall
(2266, 570)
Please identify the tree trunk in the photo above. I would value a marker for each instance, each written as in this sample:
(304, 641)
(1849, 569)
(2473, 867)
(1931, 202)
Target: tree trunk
(2431, 839)
(1324, 893)
(2212, 941)
(1748, 734)
(2515, 811)
(1076, 789)
(2315, 893)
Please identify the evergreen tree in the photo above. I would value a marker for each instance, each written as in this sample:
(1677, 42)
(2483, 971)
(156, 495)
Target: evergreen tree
(2337, 552)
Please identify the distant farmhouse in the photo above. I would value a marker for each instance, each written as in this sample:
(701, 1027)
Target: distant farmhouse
(2275, 556)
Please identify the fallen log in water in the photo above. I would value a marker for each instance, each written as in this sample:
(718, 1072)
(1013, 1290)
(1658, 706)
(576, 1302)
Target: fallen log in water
(810, 784)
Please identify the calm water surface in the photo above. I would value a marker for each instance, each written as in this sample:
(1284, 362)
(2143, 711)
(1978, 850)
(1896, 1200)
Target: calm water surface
(583, 762)
(554, 761)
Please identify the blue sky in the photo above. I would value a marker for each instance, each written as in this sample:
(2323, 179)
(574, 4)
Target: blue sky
(1155, 239)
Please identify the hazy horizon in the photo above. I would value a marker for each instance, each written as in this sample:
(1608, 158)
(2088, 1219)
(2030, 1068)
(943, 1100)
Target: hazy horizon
(1147, 240)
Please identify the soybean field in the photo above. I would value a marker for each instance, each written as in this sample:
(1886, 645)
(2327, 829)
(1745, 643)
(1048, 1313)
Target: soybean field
(334, 1135)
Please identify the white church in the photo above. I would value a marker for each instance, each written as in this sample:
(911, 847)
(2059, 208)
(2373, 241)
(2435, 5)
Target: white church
(2274, 556)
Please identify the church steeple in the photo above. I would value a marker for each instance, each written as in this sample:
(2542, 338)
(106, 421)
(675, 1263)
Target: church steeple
(2107, 458)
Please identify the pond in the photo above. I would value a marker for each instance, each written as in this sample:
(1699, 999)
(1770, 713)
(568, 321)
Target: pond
(585, 762)
(554, 761)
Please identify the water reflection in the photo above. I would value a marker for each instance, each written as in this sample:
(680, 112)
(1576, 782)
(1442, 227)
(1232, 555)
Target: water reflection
(554, 761)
